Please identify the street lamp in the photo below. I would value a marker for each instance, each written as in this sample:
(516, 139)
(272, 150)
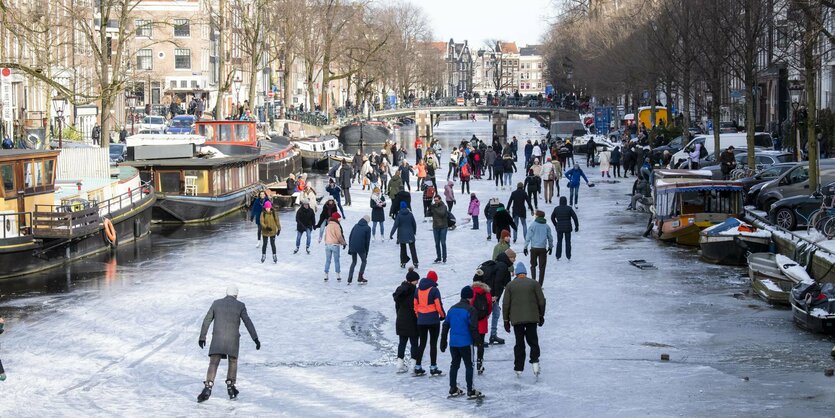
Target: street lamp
(130, 100)
(795, 89)
(58, 103)
(236, 83)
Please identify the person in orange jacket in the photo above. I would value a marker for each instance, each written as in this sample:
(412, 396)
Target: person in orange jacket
(430, 312)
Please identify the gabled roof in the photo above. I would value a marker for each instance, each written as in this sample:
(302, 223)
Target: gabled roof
(531, 50)
(508, 48)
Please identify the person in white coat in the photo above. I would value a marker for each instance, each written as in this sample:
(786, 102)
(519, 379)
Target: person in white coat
(605, 157)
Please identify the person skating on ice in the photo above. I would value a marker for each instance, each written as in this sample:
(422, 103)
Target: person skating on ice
(524, 309)
(430, 312)
(270, 228)
(460, 331)
(406, 322)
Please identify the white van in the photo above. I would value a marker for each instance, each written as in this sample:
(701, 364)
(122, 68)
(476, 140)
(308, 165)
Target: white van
(738, 140)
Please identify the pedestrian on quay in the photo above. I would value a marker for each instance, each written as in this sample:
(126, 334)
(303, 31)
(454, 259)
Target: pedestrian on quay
(406, 323)
(440, 226)
(430, 312)
(378, 214)
(574, 175)
(503, 221)
(345, 177)
(605, 165)
(334, 243)
(498, 172)
(359, 242)
(460, 330)
(2, 371)
(227, 314)
(305, 222)
(509, 169)
(727, 161)
(324, 216)
(489, 213)
(482, 302)
(449, 194)
(541, 242)
(255, 209)
(406, 228)
(270, 228)
(502, 244)
(561, 217)
(336, 194)
(489, 160)
(615, 160)
(516, 204)
(473, 209)
(551, 175)
(533, 184)
(524, 309)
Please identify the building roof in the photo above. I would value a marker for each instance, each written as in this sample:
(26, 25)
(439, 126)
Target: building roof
(508, 48)
(440, 46)
(16, 154)
(530, 50)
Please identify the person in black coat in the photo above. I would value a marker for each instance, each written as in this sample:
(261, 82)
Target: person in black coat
(516, 204)
(327, 210)
(561, 217)
(498, 171)
(359, 242)
(502, 221)
(406, 323)
(305, 221)
(501, 278)
(401, 196)
(615, 161)
(533, 184)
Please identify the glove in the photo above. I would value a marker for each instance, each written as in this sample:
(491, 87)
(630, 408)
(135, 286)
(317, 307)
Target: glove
(577, 229)
(550, 250)
(202, 344)
(344, 246)
(525, 251)
(541, 321)
(258, 344)
(443, 346)
(507, 326)
(252, 219)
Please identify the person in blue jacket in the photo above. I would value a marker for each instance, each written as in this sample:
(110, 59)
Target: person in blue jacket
(574, 175)
(336, 192)
(358, 244)
(255, 210)
(405, 227)
(461, 325)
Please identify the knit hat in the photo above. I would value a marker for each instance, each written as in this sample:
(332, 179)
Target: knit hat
(510, 253)
(505, 234)
(368, 218)
(412, 275)
(540, 214)
(467, 292)
(268, 205)
(403, 205)
(232, 290)
(335, 216)
(520, 268)
(431, 275)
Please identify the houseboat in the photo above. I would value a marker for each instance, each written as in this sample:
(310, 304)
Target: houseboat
(279, 158)
(231, 137)
(191, 190)
(686, 206)
(316, 151)
(57, 208)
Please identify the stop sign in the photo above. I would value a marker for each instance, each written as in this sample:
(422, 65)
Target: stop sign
(6, 72)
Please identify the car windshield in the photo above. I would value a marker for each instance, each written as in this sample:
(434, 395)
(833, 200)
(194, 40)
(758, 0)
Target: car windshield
(181, 123)
(155, 120)
(786, 158)
(772, 172)
(117, 148)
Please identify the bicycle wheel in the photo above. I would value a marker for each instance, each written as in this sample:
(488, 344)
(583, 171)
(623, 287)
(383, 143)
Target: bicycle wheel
(814, 219)
(829, 228)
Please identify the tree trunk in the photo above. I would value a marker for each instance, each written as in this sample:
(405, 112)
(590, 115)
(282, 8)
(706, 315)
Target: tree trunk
(288, 93)
(749, 118)
(253, 81)
(810, 64)
(326, 81)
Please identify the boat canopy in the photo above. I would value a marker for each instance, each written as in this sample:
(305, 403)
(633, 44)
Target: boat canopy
(677, 197)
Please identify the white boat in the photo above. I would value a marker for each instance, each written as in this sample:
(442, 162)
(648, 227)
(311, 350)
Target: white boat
(163, 139)
(792, 269)
(316, 151)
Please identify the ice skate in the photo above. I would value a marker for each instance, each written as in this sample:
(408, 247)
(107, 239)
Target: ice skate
(435, 371)
(518, 373)
(474, 394)
(206, 393)
(296, 250)
(480, 366)
(231, 390)
(263, 257)
(362, 280)
(326, 276)
(419, 371)
(402, 265)
(308, 250)
(535, 367)
(275, 258)
(401, 366)
(455, 392)
(338, 278)
(494, 339)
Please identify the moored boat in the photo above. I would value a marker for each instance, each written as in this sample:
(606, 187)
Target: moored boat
(364, 133)
(685, 206)
(728, 242)
(813, 306)
(767, 281)
(279, 158)
(231, 137)
(316, 151)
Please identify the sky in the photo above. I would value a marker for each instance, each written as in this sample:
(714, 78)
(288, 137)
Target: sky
(523, 21)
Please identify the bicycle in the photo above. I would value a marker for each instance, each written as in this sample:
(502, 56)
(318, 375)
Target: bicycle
(823, 219)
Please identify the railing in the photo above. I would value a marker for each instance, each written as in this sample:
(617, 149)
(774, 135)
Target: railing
(17, 224)
(124, 200)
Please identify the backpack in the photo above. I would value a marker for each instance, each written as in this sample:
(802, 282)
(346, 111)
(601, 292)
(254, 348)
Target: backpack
(482, 309)
(488, 271)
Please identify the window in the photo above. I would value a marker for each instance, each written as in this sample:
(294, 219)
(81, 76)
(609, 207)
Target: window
(182, 59)
(7, 172)
(182, 29)
(144, 29)
(202, 180)
(144, 59)
(169, 182)
(173, 84)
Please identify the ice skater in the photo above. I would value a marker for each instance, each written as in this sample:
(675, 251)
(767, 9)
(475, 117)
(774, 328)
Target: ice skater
(561, 217)
(524, 309)
(406, 228)
(378, 213)
(270, 228)
(482, 302)
(473, 209)
(334, 239)
(305, 222)
(574, 175)
(256, 207)
(359, 242)
(2, 371)
(461, 325)
(227, 314)
(406, 322)
(430, 313)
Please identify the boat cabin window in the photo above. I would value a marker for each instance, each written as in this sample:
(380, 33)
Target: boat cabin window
(169, 182)
(202, 180)
(709, 201)
(224, 133)
(242, 132)
(206, 130)
(7, 171)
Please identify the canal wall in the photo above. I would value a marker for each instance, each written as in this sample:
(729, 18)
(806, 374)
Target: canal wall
(298, 129)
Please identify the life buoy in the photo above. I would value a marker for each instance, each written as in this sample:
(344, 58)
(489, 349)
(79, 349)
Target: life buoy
(110, 232)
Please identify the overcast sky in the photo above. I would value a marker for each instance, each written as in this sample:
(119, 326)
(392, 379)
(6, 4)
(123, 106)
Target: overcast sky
(523, 21)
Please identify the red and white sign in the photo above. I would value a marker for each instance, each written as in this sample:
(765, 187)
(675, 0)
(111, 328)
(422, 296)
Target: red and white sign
(6, 72)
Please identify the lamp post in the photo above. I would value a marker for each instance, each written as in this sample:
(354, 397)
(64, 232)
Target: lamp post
(58, 103)
(709, 106)
(795, 88)
(236, 83)
(131, 102)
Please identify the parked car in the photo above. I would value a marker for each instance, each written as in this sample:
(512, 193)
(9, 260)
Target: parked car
(181, 124)
(796, 212)
(152, 123)
(763, 158)
(738, 140)
(118, 152)
(675, 145)
(753, 184)
(794, 182)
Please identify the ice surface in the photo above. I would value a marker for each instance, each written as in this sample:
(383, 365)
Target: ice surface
(101, 339)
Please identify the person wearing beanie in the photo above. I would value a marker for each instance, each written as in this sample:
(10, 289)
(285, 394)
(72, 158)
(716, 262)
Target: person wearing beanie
(541, 242)
(502, 245)
(502, 221)
(562, 217)
(524, 309)
(406, 322)
(336, 194)
(305, 221)
(516, 204)
(440, 226)
(359, 242)
(430, 312)
(378, 213)
(256, 207)
(327, 210)
(227, 314)
(449, 194)
(406, 228)
(270, 228)
(461, 331)
(334, 243)
(473, 209)
(482, 302)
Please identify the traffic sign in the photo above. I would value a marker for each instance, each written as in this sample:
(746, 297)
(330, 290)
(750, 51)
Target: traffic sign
(6, 72)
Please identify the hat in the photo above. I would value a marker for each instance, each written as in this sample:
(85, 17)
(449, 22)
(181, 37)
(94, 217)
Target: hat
(431, 275)
(412, 275)
(467, 292)
(232, 290)
(403, 205)
(268, 205)
(520, 268)
(367, 218)
(376, 190)
(510, 253)
(335, 216)
(540, 214)
(505, 234)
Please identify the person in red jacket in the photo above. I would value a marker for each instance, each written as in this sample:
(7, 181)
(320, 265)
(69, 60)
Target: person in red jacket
(482, 301)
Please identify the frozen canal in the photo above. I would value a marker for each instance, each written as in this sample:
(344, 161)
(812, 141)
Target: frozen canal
(119, 337)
